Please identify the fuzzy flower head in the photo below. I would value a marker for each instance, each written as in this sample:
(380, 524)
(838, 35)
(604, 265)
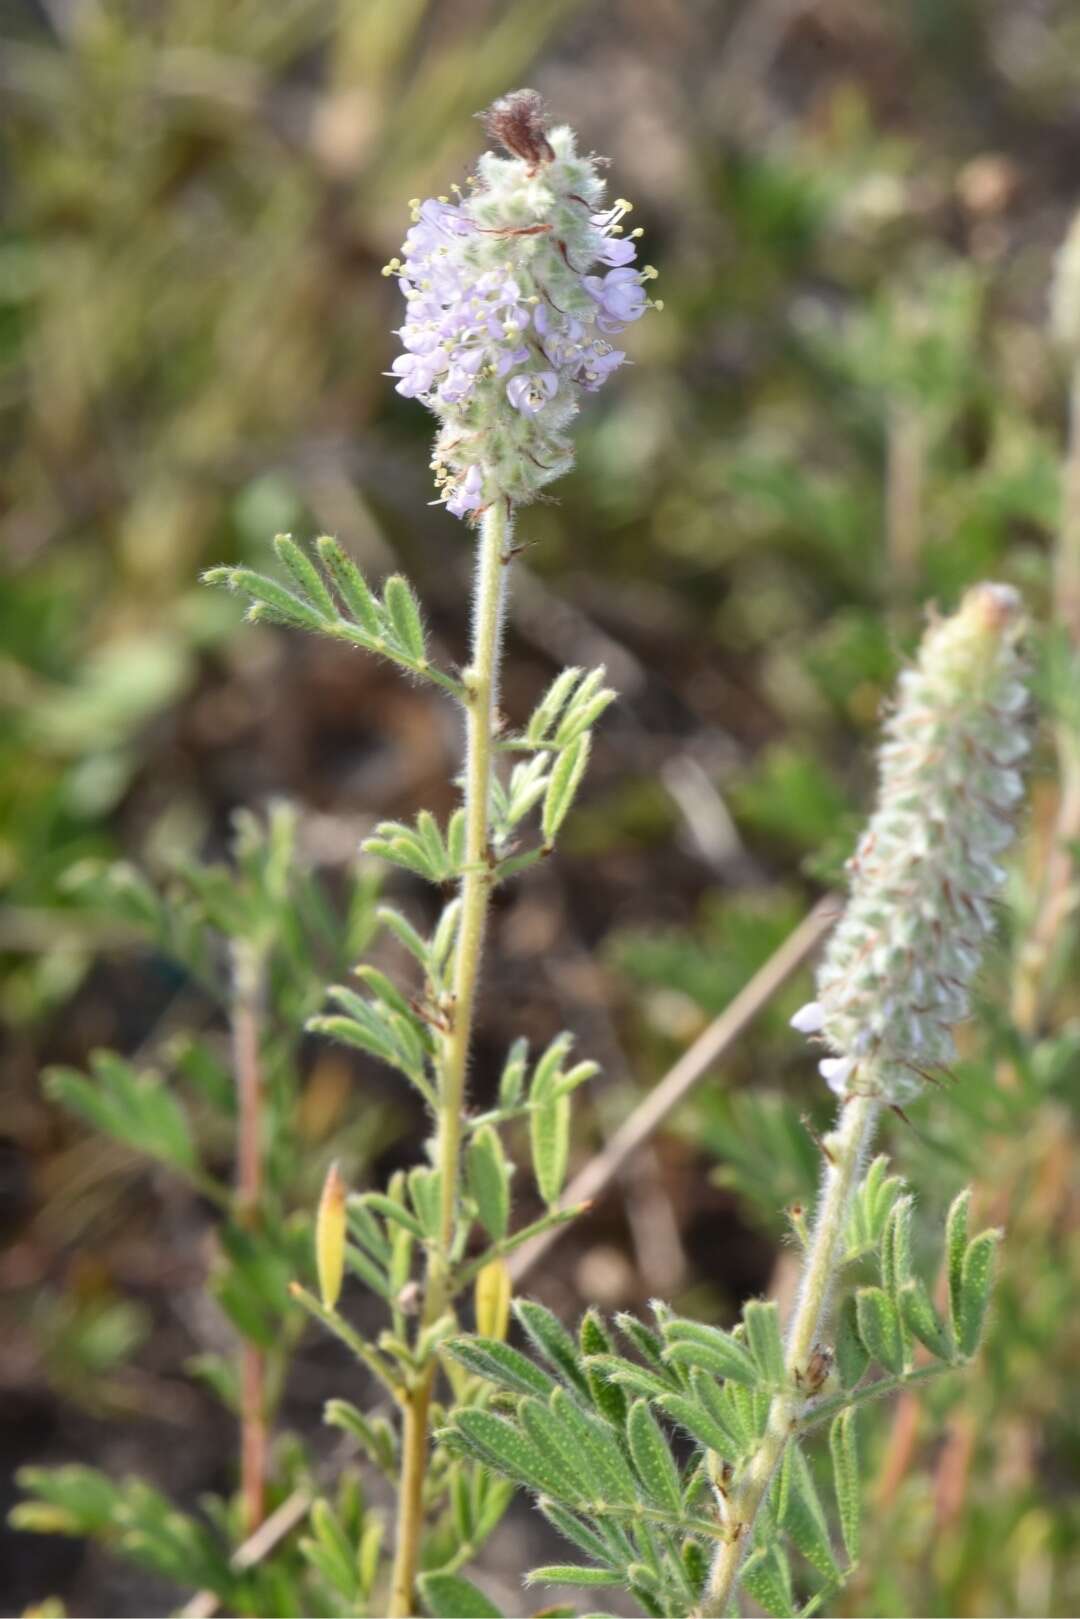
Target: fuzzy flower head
(514, 295)
(898, 968)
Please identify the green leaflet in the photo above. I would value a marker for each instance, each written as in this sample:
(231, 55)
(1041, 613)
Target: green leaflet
(611, 1370)
(976, 1282)
(513, 1074)
(691, 1343)
(699, 1424)
(375, 1435)
(501, 1445)
(330, 1550)
(270, 599)
(501, 1364)
(573, 1574)
(895, 1250)
(763, 1336)
(551, 705)
(724, 1403)
(549, 1135)
(136, 1108)
(549, 1121)
(561, 1451)
(351, 585)
(870, 1207)
(843, 1448)
(582, 1535)
(879, 1327)
(852, 1357)
(921, 1318)
(563, 783)
(804, 1516)
(425, 1190)
(403, 611)
(306, 574)
(648, 1345)
(488, 1174)
(597, 1449)
(767, 1577)
(553, 1342)
(652, 1458)
(956, 1241)
(596, 1345)
(449, 1596)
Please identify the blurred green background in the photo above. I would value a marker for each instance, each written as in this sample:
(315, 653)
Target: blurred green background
(848, 409)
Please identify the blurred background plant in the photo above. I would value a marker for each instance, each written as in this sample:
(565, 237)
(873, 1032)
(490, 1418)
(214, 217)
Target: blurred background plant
(849, 408)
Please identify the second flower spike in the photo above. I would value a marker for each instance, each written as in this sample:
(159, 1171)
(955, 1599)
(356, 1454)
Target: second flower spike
(897, 972)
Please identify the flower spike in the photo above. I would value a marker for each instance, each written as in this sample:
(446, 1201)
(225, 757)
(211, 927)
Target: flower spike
(897, 972)
(513, 295)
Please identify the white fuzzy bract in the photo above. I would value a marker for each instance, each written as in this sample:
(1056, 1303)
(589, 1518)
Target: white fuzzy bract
(514, 292)
(897, 971)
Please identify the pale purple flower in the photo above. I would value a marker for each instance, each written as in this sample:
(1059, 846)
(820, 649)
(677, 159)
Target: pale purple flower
(506, 359)
(620, 295)
(530, 391)
(467, 493)
(618, 250)
(417, 372)
(502, 318)
(598, 362)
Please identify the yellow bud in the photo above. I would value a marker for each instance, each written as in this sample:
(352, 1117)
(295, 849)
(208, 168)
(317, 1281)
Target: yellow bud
(330, 1238)
(491, 1297)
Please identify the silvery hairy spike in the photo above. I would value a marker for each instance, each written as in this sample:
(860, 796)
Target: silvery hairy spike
(897, 972)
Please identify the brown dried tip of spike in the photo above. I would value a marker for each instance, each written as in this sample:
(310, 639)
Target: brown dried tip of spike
(518, 122)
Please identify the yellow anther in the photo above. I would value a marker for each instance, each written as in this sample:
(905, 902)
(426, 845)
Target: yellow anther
(649, 272)
(634, 234)
(658, 303)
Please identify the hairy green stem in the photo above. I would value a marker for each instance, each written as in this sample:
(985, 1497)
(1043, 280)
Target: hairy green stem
(481, 686)
(846, 1148)
(481, 680)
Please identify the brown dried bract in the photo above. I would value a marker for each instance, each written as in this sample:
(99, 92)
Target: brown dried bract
(518, 121)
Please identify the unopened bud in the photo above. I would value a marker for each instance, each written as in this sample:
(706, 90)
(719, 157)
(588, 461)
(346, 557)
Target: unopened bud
(330, 1238)
(492, 1300)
